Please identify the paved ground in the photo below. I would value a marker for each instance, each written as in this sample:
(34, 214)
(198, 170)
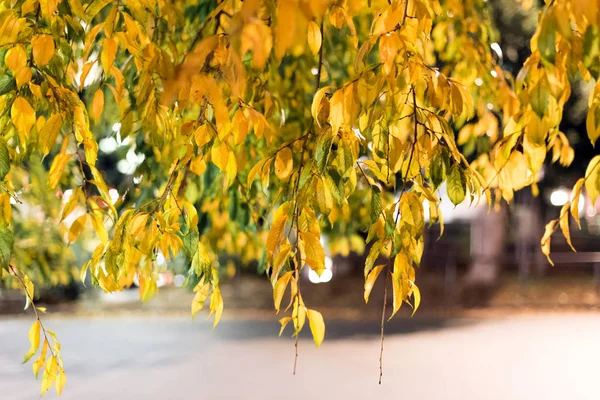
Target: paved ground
(547, 356)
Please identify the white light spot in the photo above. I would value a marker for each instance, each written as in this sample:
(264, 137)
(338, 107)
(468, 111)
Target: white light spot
(490, 106)
(114, 195)
(67, 195)
(559, 197)
(179, 280)
(160, 259)
(138, 179)
(124, 167)
(325, 275)
(116, 127)
(496, 47)
(494, 73)
(314, 70)
(108, 145)
(313, 277)
(478, 81)
(590, 211)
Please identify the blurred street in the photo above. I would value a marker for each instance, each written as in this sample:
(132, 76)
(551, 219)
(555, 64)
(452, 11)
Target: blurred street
(528, 356)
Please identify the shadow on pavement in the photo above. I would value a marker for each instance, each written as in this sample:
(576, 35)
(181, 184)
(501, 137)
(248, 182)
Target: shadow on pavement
(340, 329)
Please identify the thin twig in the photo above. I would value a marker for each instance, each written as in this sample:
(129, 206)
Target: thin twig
(296, 211)
(385, 283)
(37, 315)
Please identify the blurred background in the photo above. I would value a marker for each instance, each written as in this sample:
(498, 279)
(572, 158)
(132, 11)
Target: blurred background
(496, 320)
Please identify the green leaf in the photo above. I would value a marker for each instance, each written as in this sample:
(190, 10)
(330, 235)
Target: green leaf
(540, 96)
(6, 247)
(7, 84)
(336, 185)
(305, 174)
(94, 8)
(437, 169)
(376, 204)
(591, 50)
(373, 254)
(190, 243)
(4, 159)
(322, 152)
(547, 39)
(201, 262)
(456, 185)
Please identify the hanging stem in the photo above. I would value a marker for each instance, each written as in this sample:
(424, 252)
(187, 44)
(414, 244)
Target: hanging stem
(385, 283)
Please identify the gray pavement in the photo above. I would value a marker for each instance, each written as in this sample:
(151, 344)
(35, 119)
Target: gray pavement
(543, 356)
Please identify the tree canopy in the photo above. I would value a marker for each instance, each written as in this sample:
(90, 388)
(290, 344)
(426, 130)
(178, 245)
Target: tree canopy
(250, 130)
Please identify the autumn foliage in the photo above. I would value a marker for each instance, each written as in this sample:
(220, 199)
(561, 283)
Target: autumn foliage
(266, 126)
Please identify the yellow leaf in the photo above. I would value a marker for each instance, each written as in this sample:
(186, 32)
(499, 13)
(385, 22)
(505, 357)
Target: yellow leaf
(231, 169)
(314, 255)
(545, 242)
(324, 197)
(275, 235)
(287, 12)
(34, 340)
(61, 381)
(197, 165)
(417, 298)
(284, 163)
(564, 224)
(16, 58)
(49, 375)
(39, 363)
(219, 155)
(98, 104)
(575, 202)
(42, 48)
(49, 133)
(314, 37)
(76, 228)
(412, 210)
(401, 267)
(216, 304)
(202, 135)
(56, 169)
(317, 326)
(201, 295)
(23, 76)
(370, 281)
(279, 261)
(138, 224)
(22, 116)
(99, 227)
(314, 109)
(108, 55)
(85, 70)
(336, 113)
(257, 38)
(298, 314)
(279, 289)
(48, 8)
(592, 179)
(284, 321)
